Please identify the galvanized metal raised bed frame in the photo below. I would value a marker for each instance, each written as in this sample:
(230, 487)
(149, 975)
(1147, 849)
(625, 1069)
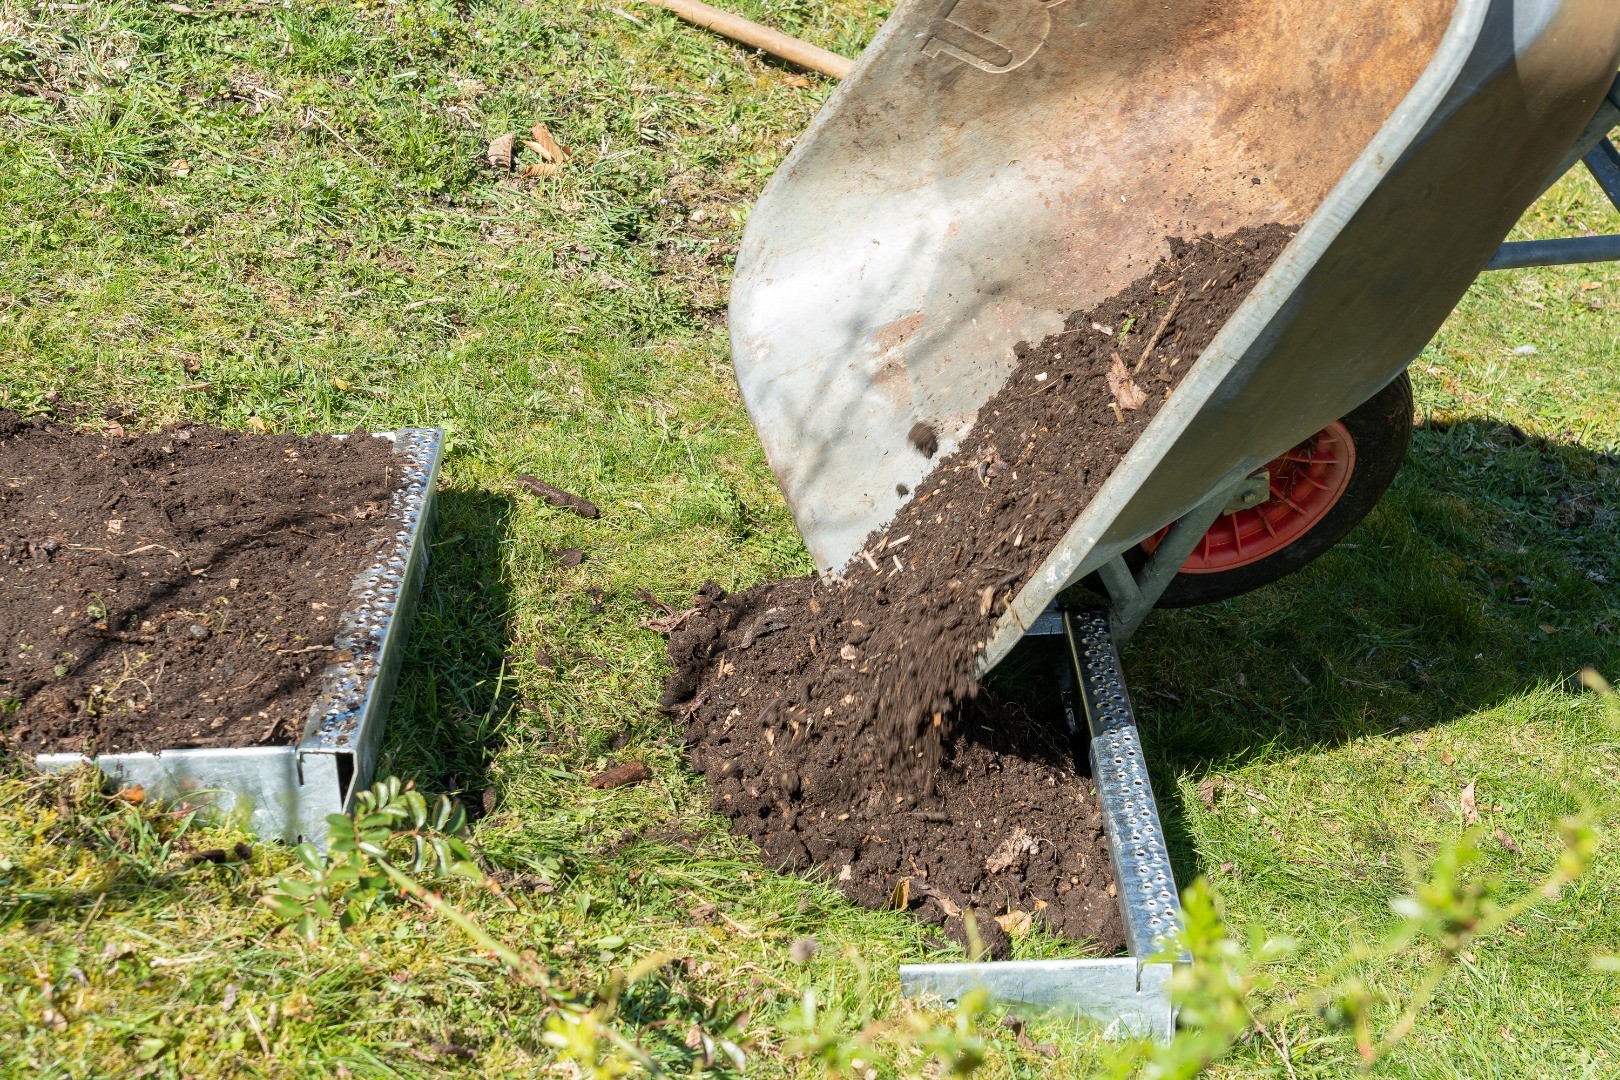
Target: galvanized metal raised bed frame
(286, 792)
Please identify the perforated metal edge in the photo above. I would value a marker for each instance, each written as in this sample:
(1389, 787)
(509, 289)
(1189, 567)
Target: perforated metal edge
(1126, 998)
(1129, 995)
(1148, 901)
(349, 689)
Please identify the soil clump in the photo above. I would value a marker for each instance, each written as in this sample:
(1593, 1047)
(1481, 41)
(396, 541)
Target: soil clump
(838, 719)
(179, 588)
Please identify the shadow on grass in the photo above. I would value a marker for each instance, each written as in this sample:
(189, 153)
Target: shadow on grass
(1483, 575)
(453, 692)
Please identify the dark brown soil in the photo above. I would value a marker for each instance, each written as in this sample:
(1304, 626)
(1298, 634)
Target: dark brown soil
(176, 589)
(827, 713)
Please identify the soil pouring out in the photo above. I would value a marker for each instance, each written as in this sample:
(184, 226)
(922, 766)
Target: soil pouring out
(176, 589)
(838, 719)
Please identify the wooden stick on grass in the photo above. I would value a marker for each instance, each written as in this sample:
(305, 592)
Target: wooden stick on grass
(774, 42)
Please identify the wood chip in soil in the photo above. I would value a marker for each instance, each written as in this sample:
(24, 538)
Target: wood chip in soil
(852, 739)
(180, 588)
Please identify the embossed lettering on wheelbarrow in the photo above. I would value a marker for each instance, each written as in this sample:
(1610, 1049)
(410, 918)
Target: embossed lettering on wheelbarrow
(992, 165)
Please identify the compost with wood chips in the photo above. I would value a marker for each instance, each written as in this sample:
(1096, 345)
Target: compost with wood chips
(838, 719)
(179, 588)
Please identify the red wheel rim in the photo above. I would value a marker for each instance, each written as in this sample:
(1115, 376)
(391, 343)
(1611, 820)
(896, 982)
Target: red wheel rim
(1306, 483)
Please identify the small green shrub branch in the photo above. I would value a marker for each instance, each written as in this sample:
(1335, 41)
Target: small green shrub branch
(398, 846)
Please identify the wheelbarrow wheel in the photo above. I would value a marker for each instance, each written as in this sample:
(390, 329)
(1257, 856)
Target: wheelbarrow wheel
(1320, 490)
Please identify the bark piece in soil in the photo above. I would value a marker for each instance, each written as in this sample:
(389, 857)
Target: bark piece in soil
(821, 739)
(176, 589)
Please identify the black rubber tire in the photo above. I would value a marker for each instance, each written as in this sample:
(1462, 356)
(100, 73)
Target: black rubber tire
(1382, 430)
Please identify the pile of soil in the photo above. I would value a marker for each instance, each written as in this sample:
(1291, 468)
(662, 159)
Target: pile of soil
(176, 589)
(827, 712)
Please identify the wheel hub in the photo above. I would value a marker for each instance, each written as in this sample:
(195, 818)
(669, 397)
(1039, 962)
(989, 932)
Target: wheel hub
(1300, 488)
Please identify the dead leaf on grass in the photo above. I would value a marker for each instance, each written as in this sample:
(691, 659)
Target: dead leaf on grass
(500, 151)
(1208, 790)
(1123, 387)
(257, 426)
(900, 898)
(667, 624)
(541, 142)
(452, 1049)
(652, 601)
(538, 169)
(1470, 809)
(180, 168)
(1043, 1049)
(1507, 841)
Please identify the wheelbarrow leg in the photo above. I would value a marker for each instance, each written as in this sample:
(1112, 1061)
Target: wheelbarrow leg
(1132, 595)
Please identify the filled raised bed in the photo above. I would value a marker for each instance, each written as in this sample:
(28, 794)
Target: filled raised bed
(214, 616)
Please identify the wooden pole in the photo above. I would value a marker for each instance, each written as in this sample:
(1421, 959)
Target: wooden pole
(774, 42)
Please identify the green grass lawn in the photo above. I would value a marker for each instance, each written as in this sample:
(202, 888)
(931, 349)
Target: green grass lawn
(281, 211)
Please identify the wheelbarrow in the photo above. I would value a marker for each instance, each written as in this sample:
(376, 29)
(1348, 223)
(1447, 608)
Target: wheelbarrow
(990, 166)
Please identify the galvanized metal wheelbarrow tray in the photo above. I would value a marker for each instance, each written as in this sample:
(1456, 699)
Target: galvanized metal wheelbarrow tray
(992, 165)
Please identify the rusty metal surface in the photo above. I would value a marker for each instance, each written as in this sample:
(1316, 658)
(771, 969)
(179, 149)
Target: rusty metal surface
(993, 165)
